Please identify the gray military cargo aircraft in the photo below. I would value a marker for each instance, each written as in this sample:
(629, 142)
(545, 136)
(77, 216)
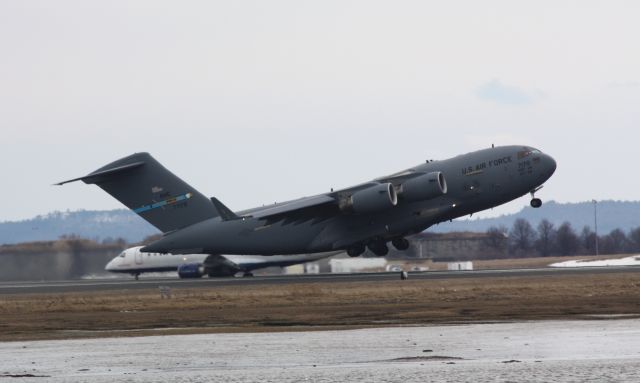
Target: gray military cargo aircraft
(368, 215)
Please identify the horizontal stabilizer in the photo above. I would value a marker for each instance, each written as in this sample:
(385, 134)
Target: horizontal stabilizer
(97, 175)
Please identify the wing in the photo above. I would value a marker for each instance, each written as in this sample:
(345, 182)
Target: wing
(295, 205)
(322, 206)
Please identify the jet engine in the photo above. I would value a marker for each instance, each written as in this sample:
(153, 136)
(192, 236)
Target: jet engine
(424, 187)
(371, 200)
(190, 270)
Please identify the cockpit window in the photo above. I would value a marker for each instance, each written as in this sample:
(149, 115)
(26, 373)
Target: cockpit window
(527, 152)
(523, 154)
(121, 255)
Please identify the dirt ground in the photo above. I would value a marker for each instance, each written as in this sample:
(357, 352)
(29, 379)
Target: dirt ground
(309, 306)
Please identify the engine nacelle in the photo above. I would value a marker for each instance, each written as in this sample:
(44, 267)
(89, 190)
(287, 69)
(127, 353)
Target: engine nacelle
(373, 199)
(424, 187)
(190, 270)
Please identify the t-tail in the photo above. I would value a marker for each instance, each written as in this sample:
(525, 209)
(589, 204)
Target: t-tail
(145, 186)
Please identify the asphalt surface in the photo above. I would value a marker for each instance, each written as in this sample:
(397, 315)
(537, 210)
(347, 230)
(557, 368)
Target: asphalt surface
(86, 285)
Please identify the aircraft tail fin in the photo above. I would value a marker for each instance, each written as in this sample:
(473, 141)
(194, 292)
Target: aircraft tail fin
(145, 186)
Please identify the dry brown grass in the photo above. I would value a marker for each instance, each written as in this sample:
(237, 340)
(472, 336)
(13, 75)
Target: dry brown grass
(317, 306)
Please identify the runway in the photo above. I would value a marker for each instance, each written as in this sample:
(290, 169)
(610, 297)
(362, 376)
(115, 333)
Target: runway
(54, 287)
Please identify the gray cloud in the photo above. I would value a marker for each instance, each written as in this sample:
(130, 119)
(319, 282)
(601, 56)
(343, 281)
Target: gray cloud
(624, 85)
(500, 93)
(256, 102)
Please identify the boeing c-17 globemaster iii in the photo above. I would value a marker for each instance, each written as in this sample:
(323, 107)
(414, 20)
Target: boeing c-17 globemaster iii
(368, 215)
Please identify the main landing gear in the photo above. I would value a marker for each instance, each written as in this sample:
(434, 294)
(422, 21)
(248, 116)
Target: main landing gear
(535, 202)
(356, 250)
(378, 247)
(401, 244)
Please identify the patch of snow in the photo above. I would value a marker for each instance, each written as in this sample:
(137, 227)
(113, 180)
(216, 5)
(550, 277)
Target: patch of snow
(112, 218)
(628, 261)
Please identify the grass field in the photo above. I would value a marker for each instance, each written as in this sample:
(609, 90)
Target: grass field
(305, 306)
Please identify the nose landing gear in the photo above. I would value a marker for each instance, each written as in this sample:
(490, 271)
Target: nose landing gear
(535, 202)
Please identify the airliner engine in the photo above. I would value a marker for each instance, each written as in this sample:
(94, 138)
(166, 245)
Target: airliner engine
(191, 270)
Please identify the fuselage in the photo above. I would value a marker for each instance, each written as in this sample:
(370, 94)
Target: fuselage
(133, 261)
(476, 181)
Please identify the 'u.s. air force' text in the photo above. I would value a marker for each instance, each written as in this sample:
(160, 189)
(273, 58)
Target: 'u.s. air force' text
(487, 164)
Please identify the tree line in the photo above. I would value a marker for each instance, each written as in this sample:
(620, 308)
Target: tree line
(524, 240)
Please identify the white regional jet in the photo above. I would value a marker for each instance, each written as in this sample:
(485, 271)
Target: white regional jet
(133, 261)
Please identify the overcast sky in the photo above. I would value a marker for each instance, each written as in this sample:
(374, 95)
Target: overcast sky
(261, 101)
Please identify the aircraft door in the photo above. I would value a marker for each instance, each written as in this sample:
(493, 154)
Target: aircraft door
(138, 257)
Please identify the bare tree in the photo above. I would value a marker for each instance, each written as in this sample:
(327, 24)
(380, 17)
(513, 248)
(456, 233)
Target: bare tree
(497, 240)
(615, 242)
(522, 236)
(546, 238)
(634, 240)
(588, 240)
(566, 240)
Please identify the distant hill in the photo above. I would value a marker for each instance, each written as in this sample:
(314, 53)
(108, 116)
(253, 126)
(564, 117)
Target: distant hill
(96, 225)
(121, 223)
(611, 215)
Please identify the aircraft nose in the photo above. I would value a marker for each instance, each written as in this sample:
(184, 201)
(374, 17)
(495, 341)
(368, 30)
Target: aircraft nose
(109, 266)
(550, 165)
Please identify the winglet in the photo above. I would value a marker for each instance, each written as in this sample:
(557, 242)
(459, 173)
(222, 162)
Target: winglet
(225, 213)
